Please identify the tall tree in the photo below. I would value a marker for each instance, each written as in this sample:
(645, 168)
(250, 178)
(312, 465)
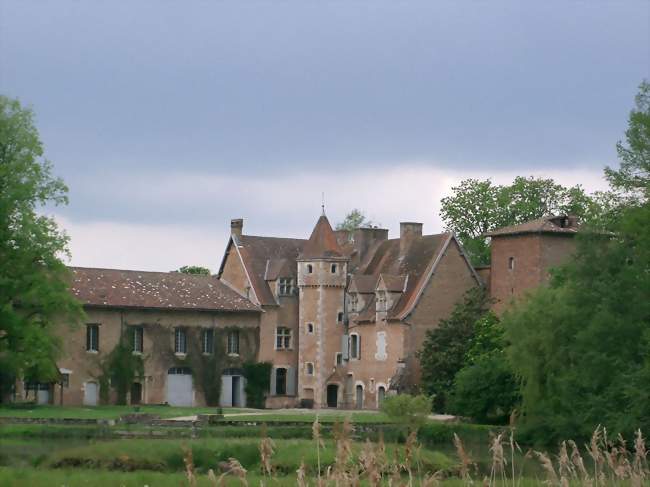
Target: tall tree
(33, 279)
(633, 175)
(477, 207)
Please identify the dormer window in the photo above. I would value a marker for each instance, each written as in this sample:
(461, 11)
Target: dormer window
(381, 300)
(310, 269)
(334, 268)
(285, 286)
(354, 301)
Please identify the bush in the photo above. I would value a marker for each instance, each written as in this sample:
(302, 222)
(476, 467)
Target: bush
(486, 391)
(404, 408)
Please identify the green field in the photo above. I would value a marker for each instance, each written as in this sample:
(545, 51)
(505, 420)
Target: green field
(107, 412)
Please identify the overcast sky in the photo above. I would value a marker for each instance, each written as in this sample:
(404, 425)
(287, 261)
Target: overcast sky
(167, 119)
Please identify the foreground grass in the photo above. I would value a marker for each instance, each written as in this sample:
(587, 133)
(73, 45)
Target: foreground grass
(107, 412)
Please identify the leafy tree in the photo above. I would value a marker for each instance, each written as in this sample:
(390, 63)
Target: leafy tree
(477, 207)
(445, 348)
(581, 345)
(258, 381)
(194, 269)
(353, 220)
(633, 176)
(407, 409)
(33, 279)
(485, 388)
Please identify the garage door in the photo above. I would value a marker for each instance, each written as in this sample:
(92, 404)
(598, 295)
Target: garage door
(180, 391)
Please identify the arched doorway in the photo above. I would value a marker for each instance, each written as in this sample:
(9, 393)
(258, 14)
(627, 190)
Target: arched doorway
(136, 393)
(359, 402)
(381, 394)
(332, 396)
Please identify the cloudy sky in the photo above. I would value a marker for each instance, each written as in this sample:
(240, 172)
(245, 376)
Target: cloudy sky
(166, 119)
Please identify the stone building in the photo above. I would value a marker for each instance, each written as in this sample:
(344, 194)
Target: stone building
(522, 256)
(344, 314)
(182, 326)
(340, 316)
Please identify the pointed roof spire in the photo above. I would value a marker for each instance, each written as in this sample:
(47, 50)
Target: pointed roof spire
(322, 243)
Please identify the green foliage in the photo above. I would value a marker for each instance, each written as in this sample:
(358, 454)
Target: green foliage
(120, 368)
(258, 382)
(444, 350)
(581, 345)
(485, 390)
(477, 207)
(407, 409)
(633, 176)
(353, 220)
(194, 269)
(33, 279)
(486, 339)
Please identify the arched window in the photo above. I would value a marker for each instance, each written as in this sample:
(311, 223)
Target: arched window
(381, 394)
(310, 268)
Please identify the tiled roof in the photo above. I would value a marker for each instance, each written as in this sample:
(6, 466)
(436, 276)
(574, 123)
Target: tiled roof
(256, 251)
(548, 224)
(162, 290)
(393, 283)
(414, 264)
(322, 243)
(363, 284)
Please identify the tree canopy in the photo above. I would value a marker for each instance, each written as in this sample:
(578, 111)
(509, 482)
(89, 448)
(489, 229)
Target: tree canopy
(194, 269)
(479, 206)
(33, 279)
(353, 220)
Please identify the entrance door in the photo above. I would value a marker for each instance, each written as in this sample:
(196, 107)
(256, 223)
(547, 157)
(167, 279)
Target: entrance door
(236, 391)
(359, 397)
(91, 394)
(381, 393)
(43, 394)
(136, 393)
(180, 390)
(332, 396)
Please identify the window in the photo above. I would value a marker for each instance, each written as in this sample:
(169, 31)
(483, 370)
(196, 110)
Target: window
(233, 342)
(339, 358)
(511, 263)
(285, 286)
(310, 328)
(339, 317)
(355, 346)
(180, 341)
(310, 268)
(282, 338)
(208, 341)
(354, 300)
(65, 380)
(138, 336)
(92, 338)
(381, 300)
(310, 368)
(281, 381)
(334, 268)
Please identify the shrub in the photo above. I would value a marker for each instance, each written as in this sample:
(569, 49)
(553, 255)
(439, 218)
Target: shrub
(404, 408)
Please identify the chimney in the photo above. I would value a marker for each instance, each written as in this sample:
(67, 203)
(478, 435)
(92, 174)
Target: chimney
(407, 232)
(364, 238)
(236, 226)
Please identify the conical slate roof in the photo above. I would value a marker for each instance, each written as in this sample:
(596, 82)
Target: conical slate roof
(322, 243)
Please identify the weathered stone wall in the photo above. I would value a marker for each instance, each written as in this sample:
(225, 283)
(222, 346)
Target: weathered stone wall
(158, 348)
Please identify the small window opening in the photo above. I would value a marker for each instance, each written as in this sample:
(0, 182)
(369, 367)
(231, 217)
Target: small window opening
(339, 317)
(310, 328)
(334, 268)
(511, 263)
(310, 368)
(310, 268)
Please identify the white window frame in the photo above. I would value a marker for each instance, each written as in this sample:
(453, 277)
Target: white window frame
(205, 333)
(138, 340)
(355, 351)
(286, 286)
(233, 342)
(92, 338)
(283, 338)
(180, 341)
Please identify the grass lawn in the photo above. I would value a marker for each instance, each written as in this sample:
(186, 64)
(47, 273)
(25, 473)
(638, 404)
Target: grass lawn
(106, 412)
(326, 416)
